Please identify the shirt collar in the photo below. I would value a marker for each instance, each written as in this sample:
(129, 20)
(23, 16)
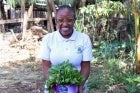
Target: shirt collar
(72, 38)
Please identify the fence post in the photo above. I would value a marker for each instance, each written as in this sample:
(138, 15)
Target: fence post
(49, 13)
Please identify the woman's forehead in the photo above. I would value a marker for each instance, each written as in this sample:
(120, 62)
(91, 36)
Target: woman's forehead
(65, 12)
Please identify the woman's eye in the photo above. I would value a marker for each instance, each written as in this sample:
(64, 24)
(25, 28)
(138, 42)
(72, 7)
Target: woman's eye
(70, 20)
(66, 20)
(60, 20)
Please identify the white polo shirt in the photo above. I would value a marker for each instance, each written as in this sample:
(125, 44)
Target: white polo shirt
(57, 49)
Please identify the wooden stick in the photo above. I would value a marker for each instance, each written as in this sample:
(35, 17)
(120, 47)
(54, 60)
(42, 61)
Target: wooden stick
(14, 34)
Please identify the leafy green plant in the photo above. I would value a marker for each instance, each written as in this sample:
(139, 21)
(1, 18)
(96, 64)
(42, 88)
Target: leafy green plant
(97, 81)
(94, 19)
(63, 74)
(115, 66)
(132, 83)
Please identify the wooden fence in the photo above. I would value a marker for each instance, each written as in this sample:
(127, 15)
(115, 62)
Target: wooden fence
(24, 16)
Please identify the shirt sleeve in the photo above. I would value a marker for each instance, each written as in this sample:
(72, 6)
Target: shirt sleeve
(87, 52)
(45, 49)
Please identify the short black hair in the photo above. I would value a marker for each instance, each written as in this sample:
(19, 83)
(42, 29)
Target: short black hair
(66, 7)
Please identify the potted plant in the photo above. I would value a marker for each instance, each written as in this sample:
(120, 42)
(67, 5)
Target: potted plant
(63, 77)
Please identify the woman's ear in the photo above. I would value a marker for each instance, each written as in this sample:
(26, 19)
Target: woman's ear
(57, 27)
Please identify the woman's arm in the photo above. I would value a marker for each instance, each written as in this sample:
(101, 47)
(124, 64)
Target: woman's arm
(45, 66)
(85, 71)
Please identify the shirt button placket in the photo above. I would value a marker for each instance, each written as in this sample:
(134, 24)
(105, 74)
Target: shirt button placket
(67, 46)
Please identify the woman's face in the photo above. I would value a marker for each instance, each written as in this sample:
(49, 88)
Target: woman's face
(65, 22)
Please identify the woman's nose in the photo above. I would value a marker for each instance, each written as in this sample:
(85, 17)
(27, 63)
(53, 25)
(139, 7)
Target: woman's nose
(65, 23)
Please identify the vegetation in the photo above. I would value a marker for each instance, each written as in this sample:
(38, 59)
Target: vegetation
(114, 57)
(117, 67)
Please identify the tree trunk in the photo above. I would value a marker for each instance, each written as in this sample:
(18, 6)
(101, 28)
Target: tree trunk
(53, 6)
(49, 11)
(23, 14)
(2, 29)
(30, 11)
(137, 34)
(0, 17)
(30, 15)
(138, 55)
(25, 21)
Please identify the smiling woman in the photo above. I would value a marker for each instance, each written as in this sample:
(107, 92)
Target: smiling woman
(67, 44)
(65, 18)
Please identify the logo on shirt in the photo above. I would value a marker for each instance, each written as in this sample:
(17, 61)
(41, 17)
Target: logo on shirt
(79, 49)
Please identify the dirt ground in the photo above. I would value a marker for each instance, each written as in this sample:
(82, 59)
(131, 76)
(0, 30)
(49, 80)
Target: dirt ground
(20, 70)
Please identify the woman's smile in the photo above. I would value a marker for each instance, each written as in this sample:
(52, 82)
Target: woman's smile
(65, 22)
(65, 29)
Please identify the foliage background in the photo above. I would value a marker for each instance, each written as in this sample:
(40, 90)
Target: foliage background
(114, 57)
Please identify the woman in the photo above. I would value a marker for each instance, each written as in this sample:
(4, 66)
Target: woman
(67, 44)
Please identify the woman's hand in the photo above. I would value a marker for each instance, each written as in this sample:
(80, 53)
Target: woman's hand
(53, 89)
(45, 66)
(80, 89)
(85, 71)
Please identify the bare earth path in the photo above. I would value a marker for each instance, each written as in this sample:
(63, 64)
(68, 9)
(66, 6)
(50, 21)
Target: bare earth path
(20, 72)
